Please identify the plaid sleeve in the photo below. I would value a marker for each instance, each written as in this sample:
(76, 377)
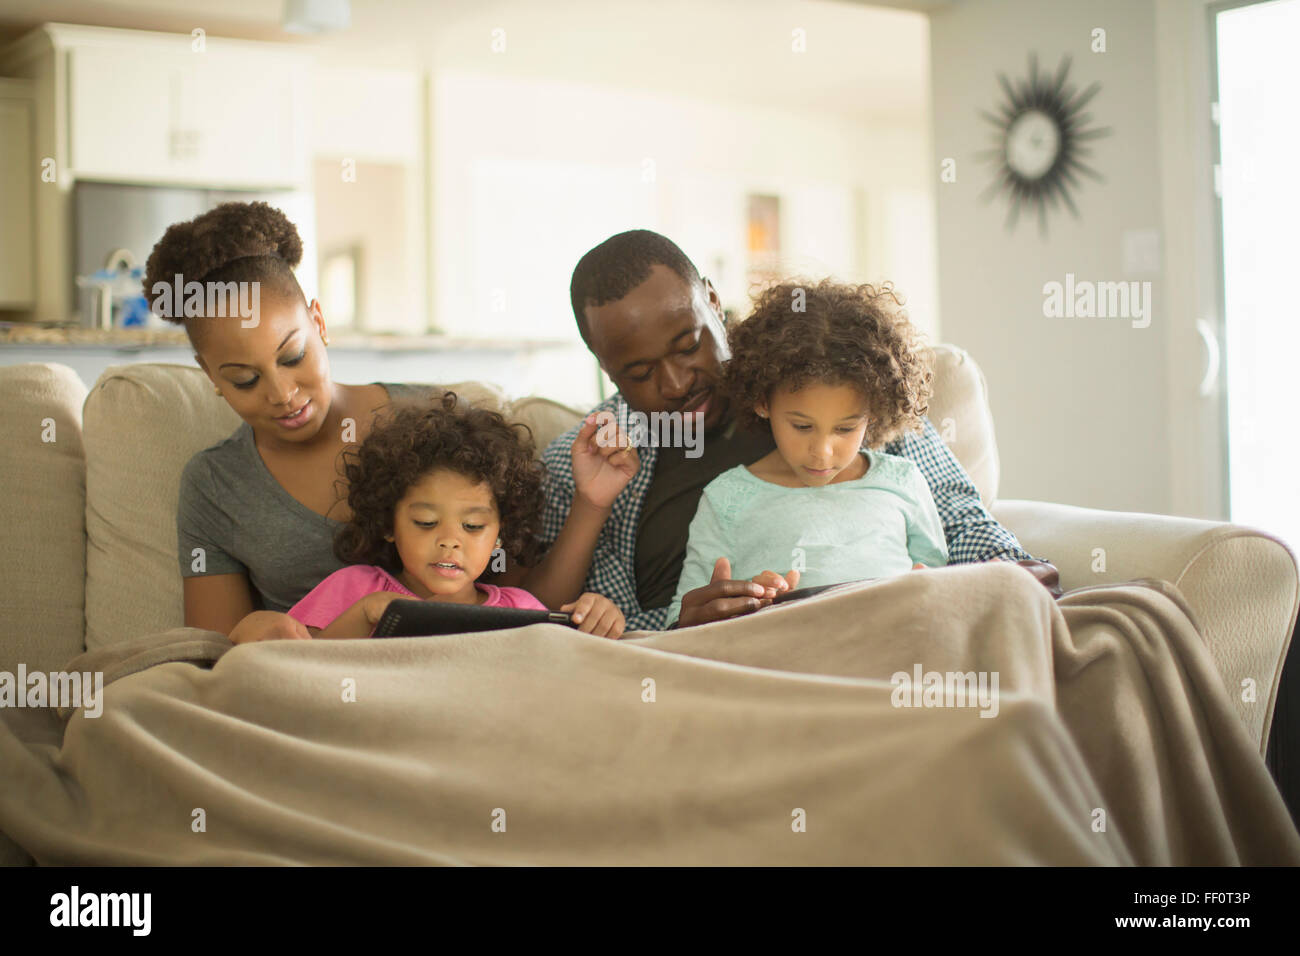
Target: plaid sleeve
(973, 534)
(558, 488)
(612, 570)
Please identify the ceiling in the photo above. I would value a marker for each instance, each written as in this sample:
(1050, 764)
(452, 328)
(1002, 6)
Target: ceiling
(861, 60)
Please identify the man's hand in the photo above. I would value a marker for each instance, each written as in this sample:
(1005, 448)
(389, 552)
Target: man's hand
(722, 598)
(597, 615)
(1047, 574)
(602, 466)
(268, 626)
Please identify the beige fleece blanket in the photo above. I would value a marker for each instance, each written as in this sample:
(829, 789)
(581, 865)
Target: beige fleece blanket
(779, 738)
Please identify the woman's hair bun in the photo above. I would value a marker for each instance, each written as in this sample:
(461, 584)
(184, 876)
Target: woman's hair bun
(233, 230)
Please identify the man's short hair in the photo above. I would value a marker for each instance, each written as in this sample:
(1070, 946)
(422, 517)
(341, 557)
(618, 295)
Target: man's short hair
(618, 265)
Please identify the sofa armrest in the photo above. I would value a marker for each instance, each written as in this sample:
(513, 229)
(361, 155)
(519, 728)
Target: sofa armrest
(1242, 584)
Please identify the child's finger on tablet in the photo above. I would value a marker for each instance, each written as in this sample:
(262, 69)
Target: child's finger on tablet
(604, 622)
(580, 609)
(591, 621)
(770, 579)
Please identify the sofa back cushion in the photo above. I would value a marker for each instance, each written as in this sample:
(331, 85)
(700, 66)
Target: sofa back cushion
(960, 411)
(42, 512)
(142, 424)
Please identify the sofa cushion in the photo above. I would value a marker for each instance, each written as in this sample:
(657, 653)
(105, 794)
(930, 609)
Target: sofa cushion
(960, 411)
(547, 420)
(42, 509)
(142, 424)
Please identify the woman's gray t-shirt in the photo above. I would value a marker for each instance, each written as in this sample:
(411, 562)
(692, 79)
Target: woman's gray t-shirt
(233, 517)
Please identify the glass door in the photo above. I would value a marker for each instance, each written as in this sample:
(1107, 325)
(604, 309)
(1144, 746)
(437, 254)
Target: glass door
(1257, 48)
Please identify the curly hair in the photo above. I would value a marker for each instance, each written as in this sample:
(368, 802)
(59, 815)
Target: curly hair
(417, 439)
(844, 335)
(233, 242)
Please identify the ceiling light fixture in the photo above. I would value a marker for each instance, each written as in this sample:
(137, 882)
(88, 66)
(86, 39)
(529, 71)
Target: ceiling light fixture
(317, 16)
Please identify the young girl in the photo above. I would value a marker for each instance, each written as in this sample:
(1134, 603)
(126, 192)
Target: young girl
(438, 494)
(835, 372)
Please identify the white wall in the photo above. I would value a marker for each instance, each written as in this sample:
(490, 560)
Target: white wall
(530, 174)
(1081, 406)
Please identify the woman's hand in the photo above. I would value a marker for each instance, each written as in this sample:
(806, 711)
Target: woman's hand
(597, 615)
(603, 462)
(268, 626)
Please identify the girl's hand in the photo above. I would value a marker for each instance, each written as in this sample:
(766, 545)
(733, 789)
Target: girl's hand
(603, 462)
(597, 615)
(268, 626)
(374, 605)
(777, 582)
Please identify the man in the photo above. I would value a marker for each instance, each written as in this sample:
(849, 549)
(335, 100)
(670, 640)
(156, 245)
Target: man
(656, 327)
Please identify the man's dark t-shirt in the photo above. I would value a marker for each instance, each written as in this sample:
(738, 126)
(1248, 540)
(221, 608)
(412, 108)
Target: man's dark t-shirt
(670, 502)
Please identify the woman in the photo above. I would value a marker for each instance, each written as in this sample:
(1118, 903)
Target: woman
(257, 513)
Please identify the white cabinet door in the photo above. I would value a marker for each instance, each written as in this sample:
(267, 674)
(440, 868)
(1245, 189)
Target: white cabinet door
(216, 118)
(18, 171)
(118, 109)
(244, 118)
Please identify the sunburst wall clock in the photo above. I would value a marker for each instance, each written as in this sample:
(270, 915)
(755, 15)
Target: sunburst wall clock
(1041, 135)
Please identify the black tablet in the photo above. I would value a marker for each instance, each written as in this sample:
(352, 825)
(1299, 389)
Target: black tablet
(407, 618)
(798, 594)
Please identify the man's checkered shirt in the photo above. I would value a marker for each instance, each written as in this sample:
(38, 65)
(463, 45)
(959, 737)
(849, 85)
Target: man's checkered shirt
(973, 534)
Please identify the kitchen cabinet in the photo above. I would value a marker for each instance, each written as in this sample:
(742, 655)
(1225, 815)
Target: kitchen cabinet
(149, 109)
(177, 117)
(18, 174)
(173, 109)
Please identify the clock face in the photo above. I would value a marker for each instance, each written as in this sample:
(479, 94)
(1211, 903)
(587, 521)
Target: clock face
(1033, 143)
(1041, 140)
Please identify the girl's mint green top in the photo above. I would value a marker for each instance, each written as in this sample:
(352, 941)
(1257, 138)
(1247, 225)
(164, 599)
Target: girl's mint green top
(872, 527)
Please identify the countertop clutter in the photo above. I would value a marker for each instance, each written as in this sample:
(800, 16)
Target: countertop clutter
(81, 337)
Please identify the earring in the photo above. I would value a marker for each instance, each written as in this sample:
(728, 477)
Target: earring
(217, 391)
(498, 542)
(326, 339)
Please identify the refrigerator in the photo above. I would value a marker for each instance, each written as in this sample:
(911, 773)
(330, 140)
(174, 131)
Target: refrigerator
(115, 228)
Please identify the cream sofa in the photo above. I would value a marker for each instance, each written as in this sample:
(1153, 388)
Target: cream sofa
(90, 486)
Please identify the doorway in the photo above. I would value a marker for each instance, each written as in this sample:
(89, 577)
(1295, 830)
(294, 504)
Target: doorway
(1257, 76)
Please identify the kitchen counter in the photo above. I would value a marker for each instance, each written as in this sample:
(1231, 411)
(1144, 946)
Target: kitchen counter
(559, 369)
(134, 339)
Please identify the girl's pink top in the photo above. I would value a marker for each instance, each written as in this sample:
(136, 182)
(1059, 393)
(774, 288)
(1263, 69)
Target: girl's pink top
(346, 586)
